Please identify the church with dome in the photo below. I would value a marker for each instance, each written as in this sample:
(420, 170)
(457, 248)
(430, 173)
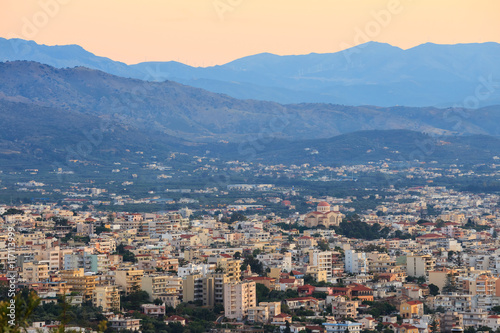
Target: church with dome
(323, 216)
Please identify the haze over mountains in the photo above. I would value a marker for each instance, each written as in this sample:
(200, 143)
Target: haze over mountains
(51, 109)
(198, 115)
(48, 109)
(370, 74)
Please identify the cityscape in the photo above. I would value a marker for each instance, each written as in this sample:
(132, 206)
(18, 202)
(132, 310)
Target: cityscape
(249, 167)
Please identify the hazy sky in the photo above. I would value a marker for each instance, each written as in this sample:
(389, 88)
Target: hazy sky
(208, 32)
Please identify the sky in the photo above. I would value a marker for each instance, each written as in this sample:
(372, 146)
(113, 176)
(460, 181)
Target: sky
(211, 32)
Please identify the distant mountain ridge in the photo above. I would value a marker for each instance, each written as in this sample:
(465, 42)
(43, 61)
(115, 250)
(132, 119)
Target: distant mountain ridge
(368, 74)
(193, 114)
(50, 114)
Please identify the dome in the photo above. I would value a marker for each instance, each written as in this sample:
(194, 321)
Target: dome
(323, 207)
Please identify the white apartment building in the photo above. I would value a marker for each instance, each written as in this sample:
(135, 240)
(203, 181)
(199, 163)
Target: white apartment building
(238, 298)
(355, 262)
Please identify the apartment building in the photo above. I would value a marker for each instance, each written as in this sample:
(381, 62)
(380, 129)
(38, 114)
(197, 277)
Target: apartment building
(420, 265)
(379, 262)
(323, 260)
(95, 262)
(197, 287)
(356, 262)
(264, 312)
(107, 297)
(129, 279)
(55, 257)
(484, 285)
(158, 285)
(80, 282)
(342, 307)
(342, 327)
(238, 298)
(454, 302)
(229, 266)
(474, 317)
(103, 244)
(317, 274)
(35, 272)
(208, 289)
(411, 309)
(438, 278)
(121, 324)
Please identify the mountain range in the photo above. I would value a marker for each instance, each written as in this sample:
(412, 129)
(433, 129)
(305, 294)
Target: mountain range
(461, 75)
(194, 114)
(49, 113)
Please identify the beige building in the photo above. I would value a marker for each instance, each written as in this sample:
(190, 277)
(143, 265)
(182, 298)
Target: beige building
(78, 281)
(420, 265)
(438, 278)
(317, 273)
(264, 312)
(103, 244)
(107, 297)
(379, 262)
(307, 241)
(196, 287)
(129, 279)
(121, 324)
(238, 298)
(208, 289)
(158, 285)
(323, 216)
(482, 285)
(411, 309)
(342, 308)
(35, 272)
(55, 257)
(230, 267)
(324, 261)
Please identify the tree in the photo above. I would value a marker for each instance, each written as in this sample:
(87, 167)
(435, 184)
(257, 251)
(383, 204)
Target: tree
(134, 300)
(13, 211)
(101, 229)
(262, 292)
(24, 304)
(417, 279)
(237, 216)
(440, 309)
(323, 246)
(433, 289)
(256, 252)
(103, 326)
(127, 255)
(255, 265)
(440, 223)
(237, 255)
(378, 309)
(450, 285)
(60, 221)
(287, 328)
(434, 327)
